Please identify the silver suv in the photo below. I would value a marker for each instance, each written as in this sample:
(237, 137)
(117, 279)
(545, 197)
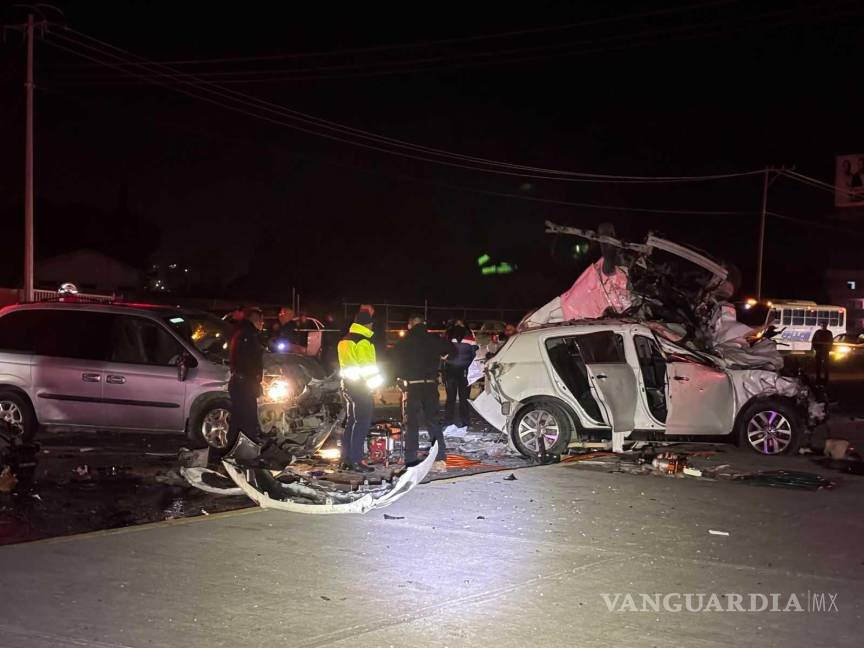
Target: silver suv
(121, 367)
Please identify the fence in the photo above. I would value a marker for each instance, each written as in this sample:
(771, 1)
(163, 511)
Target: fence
(395, 316)
(53, 296)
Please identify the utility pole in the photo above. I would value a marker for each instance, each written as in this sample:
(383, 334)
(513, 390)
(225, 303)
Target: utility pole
(28, 170)
(759, 260)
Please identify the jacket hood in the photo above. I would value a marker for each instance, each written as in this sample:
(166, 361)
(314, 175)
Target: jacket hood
(359, 329)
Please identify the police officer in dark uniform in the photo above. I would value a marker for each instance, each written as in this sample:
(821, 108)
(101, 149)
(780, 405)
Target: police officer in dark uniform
(247, 370)
(417, 360)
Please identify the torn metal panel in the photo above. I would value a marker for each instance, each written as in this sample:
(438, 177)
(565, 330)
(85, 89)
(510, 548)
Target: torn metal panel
(758, 382)
(487, 406)
(216, 485)
(655, 242)
(265, 490)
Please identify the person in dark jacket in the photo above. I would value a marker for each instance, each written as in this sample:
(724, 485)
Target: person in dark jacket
(246, 359)
(822, 342)
(456, 375)
(417, 360)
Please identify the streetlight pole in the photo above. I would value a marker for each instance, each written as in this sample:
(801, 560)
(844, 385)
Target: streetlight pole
(28, 170)
(759, 260)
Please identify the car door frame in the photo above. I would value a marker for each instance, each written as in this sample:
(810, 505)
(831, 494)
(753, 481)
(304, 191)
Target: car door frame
(563, 392)
(159, 414)
(619, 402)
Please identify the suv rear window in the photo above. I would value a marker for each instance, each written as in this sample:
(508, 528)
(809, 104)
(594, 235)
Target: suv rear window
(16, 331)
(58, 333)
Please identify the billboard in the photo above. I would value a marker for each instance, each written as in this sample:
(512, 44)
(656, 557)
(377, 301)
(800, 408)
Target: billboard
(849, 181)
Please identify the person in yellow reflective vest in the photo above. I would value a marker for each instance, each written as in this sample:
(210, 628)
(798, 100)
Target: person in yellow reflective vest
(360, 378)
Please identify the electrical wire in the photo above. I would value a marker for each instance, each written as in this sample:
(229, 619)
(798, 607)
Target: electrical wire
(458, 39)
(486, 192)
(628, 41)
(476, 164)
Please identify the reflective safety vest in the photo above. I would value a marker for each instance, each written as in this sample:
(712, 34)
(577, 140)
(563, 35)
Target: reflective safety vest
(357, 358)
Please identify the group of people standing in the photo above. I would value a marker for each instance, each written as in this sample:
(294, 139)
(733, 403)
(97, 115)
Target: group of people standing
(416, 362)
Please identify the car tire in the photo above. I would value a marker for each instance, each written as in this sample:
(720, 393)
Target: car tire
(17, 410)
(770, 426)
(546, 415)
(209, 427)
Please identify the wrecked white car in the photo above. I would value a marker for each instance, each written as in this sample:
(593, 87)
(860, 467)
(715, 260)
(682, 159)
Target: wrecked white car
(561, 385)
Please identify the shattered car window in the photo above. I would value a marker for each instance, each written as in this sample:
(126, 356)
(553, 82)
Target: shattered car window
(603, 347)
(208, 333)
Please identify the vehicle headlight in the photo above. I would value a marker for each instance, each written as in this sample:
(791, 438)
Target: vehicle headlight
(842, 349)
(278, 391)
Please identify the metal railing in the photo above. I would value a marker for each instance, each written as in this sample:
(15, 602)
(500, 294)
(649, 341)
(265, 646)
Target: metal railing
(395, 316)
(54, 296)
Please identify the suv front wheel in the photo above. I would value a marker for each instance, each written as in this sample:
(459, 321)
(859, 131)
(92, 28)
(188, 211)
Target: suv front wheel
(770, 426)
(209, 426)
(16, 410)
(544, 419)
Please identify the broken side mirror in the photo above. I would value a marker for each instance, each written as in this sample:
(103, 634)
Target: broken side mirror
(187, 361)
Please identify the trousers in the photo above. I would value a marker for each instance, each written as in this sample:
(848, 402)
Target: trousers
(358, 408)
(244, 409)
(822, 366)
(421, 399)
(456, 384)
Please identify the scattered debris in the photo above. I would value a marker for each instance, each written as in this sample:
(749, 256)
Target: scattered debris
(287, 491)
(325, 598)
(204, 512)
(198, 458)
(393, 517)
(836, 448)
(788, 479)
(36, 496)
(510, 477)
(692, 472)
(8, 480)
(481, 517)
(718, 533)
(86, 449)
(848, 465)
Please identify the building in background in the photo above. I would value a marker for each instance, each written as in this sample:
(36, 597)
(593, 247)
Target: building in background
(90, 271)
(846, 288)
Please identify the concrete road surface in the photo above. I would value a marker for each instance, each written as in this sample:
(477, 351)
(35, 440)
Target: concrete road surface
(479, 561)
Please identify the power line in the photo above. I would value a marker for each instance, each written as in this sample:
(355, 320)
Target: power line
(476, 163)
(816, 224)
(486, 192)
(457, 39)
(486, 58)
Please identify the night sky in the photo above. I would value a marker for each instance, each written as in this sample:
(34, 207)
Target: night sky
(150, 175)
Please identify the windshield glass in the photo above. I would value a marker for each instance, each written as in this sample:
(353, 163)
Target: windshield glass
(208, 333)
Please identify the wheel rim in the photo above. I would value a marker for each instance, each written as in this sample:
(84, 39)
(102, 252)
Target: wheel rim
(11, 413)
(214, 429)
(537, 423)
(769, 432)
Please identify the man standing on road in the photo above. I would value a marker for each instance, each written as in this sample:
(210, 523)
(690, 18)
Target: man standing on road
(360, 379)
(417, 359)
(246, 360)
(822, 342)
(283, 330)
(456, 375)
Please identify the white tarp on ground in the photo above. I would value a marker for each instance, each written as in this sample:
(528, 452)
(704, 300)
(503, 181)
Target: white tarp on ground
(591, 295)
